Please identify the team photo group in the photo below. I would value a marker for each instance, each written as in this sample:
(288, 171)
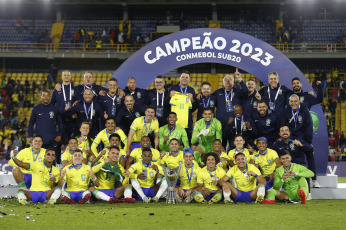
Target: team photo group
(246, 145)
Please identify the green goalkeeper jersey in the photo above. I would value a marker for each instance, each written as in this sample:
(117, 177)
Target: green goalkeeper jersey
(215, 132)
(291, 183)
(177, 132)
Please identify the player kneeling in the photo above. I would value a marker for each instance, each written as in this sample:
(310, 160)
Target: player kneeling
(143, 175)
(292, 177)
(245, 176)
(76, 176)
(188, 178)
(44, 177)
(110, 175)
(208, 180)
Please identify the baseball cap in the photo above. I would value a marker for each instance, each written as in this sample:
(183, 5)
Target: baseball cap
(188, 150)
(260, 139)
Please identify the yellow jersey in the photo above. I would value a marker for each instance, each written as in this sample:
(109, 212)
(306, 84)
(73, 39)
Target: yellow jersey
(266, 161)
(139, 168)
(246, 152)
(171, 161)
(41, 175)
(205, 178)
(67, 156)
(141, 128)
(181, 105)
(188, 177)
(223, 164)
(103, 136)
(77, 179)
(137, 155)
(85, 145)
(106, 183)
(27, 156)
(244, 182)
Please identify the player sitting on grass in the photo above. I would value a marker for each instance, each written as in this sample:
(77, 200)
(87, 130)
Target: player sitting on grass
(206, 130)
(292, 177)
(188, 178)
(66, 157)
(136, 154)
(208, 178)
(143, 175)
(110, 175)
(239, 143)
(44, 178)
(266, 160)
(246, 175)
(174, 157)
(114, 140)
(35, 153)
(218, 149)
(76, 176)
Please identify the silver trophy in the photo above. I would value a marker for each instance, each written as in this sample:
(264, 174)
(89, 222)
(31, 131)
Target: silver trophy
(172, 176)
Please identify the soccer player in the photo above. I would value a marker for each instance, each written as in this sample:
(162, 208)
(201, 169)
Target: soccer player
(112, 102)
(275, 95)
(170, 131)
(306, 98)
(251, 100)
(143, 175)
(188, 178)
(112, 182)
(85, 142)
(226, 98)
(266, 160)
(183, 102)
(35, 153)
(206, 100)
(218, 149)
(242, 125)
(76, 176)
(44, 178)
(46, 118)
(246, 175)
(89, 111)
(143, 126)
(239, 143)
(88, 81)
(205, 132)
(66, 157)
(266, 122)
(128, 113)
(292, 177)
(174, 157)
(208, 180)
(159, 99)
(103, 136)
(136, 154)
(139, 95)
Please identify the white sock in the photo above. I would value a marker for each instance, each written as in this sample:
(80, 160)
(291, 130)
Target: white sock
(128, 192)
(158, 180)
(137, 187)
(162, 189)
(56, 194)
(227, 195)
(261, 191)
(21, 195)
(85, 193)
(64, 193)
(101, 195)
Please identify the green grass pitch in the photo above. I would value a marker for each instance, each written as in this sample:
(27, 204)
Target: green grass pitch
(316, 214)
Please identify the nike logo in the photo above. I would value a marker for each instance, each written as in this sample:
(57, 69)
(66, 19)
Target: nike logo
(40, 114)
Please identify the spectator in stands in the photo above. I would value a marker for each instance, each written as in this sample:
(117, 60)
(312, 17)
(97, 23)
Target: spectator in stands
(33, 87)
(21, 99)
(82, 34)
(112, 38)
(337, 138)
(90, 34)
(98, 44)
(104, 35)
(17, 144)
(342, 138)
(76, 38)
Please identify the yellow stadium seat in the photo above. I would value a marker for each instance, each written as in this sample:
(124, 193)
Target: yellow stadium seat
(8, 75)
(109, 75)
(78, 75)
(35, 75)
(104, 75)
(24, 76)
(97, 83)
(14, 75)
(73, 75)
(19, 76)
(22, 82)
(98, 75)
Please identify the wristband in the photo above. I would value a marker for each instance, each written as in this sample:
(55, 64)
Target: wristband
(256, 176)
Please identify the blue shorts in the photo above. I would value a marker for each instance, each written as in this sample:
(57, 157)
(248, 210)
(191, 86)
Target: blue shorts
(208, 198)
(38, 196)
(76, 195)
(108, 192)
(149, 192)
(243, 197)
(269, 185)
(135, 145)
(27, 180)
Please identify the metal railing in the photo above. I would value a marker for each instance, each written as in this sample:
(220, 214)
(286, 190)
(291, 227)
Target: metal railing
(108, 47)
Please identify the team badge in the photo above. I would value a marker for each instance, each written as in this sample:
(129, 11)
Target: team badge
(51, 114)
(137, 115)
(217, 179)
(212, 103)
(118, 100)
(40, 159)
(94, 112)
(300, 119)
(132, 124)
(268, 122)
(220, 164)
(180, 162)
(139, 95)
(187, 99)
(151, 174)
(72, 92)
(254, 104)
(269, 161)
(88, 147)
(292, 146)
(213, 132)
(150, 130)
(194, 175)
(301, 99)
(83, 177)
(177, 137)
(280, 91)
